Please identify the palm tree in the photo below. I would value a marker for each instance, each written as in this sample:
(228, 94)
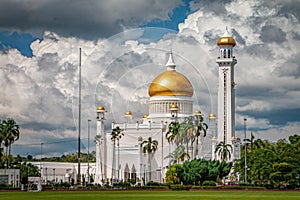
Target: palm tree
(149, 147)
(172, 136)
(201, 127)
(224, 151)
(9, 134)
(172, 133)
(193, 127)
(116, 135)
(186, 132)
(178, 155)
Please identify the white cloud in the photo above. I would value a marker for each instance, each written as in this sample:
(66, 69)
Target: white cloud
(43, 90)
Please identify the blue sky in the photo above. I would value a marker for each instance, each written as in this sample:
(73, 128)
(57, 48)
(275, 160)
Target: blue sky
(39, 43)
(20, 41)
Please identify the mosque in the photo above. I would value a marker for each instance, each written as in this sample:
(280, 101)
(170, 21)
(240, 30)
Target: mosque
(170, 100)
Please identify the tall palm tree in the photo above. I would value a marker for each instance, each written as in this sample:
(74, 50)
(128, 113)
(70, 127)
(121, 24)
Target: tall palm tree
(224, 151)
(116, 135)
(172, 133)
(193, 127)
(178, 155)
(10, 133)
(149, 147)
(201, 127)
(172, 136)
(186, 133)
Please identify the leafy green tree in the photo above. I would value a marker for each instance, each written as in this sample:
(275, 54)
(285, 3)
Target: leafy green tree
(282, 173)
(196, 171)
(27, 170)
(277, 163)
(174, 174)
(149, 147)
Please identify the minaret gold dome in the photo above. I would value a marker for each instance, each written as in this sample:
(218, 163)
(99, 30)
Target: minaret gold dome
(100, 108)
(226, 40)
(171, 83)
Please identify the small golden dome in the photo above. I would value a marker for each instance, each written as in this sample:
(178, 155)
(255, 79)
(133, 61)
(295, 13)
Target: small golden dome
(100, 109)
(212, 116)
(128, 113)
(170, 83)
(174, 107)
(226, 40)
(197, 112)
(145, 116)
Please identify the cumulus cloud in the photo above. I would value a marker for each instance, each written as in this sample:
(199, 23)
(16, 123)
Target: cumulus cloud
(41, 92)
(87, 19)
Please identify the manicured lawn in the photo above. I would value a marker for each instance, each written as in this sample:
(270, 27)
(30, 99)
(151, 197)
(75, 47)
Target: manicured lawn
(142, 195)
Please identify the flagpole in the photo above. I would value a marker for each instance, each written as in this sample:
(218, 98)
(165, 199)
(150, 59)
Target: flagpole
(79, 117)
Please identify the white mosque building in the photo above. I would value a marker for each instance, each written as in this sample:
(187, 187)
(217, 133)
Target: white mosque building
(170, 100)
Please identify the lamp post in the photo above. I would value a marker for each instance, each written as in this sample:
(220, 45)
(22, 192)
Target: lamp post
(245, 142)
(140, 140)
(14, 176)
(5, 180)
(88, 169)
(41, 158)
(54, 179)
(46, 175)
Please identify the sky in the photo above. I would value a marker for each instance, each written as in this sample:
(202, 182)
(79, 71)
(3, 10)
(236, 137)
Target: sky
(125, 45)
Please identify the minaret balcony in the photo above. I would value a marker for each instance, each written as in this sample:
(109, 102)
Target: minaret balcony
(226, 60)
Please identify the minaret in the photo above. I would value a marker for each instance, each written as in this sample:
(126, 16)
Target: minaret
(226, 90)
(101, 147)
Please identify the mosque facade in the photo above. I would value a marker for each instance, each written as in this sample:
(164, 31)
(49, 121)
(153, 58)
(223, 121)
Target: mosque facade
(170, 93)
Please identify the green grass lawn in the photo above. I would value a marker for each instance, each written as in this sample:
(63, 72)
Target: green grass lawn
(142, 195)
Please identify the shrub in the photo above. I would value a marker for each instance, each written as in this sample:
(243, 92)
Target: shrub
(151, 183)
(122, 184)
(209, 183)
(246, 184)
(180, 187)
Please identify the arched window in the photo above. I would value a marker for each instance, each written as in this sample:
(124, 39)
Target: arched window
(228, 53)
(224, 53)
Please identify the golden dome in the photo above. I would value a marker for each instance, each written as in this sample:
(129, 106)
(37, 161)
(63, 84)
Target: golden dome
(226, 40)
(128, 113)
(170, 83)
(197, 112)
(145, 116)
(174, 107)
(100, 109)
(212, 116)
